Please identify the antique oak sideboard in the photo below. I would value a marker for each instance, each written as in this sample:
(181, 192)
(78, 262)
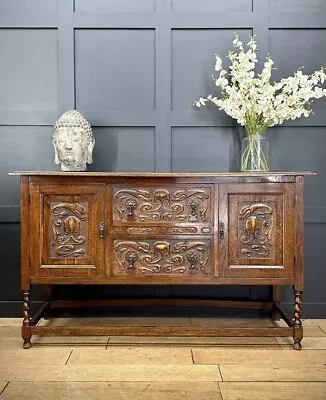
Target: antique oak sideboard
(163, 229)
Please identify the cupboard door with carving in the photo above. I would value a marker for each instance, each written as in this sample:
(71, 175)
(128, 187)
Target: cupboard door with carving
(68, 236)
(256, 229)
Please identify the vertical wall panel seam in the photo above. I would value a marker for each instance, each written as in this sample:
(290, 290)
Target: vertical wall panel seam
(163, 78)
(66, 56)
(261, 30)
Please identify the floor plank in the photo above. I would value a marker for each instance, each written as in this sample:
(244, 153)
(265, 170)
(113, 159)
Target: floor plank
(34, 356)
(308, 343)
(132, 355)
(71, 340)
(11, 322)
(48, 341)
(313, 331)
(10, 343)
(208, 356)
(273, 391)
(190, 341)
(318, 322)
(10, 332)
(2, 386)
(114, 390)
(249, 373)
(110, 373)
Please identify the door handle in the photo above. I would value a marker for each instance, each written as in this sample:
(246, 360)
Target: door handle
(101, 229)
(221, 230)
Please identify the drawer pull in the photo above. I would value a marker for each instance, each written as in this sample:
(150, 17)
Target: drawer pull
(131, 205)
(221, 230)
(131, 259)
(193, 205)
(102, 229)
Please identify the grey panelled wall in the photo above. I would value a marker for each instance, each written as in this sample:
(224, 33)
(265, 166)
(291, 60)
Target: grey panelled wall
(134, 68)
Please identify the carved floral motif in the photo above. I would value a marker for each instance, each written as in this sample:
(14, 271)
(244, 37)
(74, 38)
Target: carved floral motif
(162, 205)
(256, 222)
(68, 229)
(162, 257)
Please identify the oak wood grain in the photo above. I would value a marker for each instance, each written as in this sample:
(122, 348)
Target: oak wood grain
(113, 390)
(273, 390)
(161, 228)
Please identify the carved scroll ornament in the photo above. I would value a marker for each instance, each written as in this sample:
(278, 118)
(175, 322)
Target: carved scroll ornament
(162, 205)
(68, 230)
(256, 228)
(162, 257)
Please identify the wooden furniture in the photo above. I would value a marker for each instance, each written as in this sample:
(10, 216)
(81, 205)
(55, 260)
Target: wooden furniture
(162, 228)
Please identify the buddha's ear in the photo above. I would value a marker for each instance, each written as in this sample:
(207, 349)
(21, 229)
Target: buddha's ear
(90, 148)
(56, 157)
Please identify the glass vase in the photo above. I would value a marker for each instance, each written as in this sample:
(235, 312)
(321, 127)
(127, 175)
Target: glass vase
(254, 153)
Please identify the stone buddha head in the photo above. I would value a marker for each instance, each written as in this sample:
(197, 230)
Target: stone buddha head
(73, 141)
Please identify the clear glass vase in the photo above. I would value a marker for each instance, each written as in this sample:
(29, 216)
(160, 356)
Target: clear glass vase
(254, 153)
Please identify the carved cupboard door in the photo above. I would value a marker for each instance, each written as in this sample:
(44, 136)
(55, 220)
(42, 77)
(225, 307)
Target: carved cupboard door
(67, 239)
(256, 229)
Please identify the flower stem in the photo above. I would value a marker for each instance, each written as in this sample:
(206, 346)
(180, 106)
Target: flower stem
(253, 155)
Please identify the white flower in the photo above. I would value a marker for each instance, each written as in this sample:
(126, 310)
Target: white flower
(218, 63)
(253, 101)
(318, 92)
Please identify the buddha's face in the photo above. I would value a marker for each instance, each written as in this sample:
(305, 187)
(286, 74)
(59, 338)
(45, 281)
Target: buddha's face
(71, 148)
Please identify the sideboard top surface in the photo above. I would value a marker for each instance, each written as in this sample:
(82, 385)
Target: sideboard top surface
(162, 174)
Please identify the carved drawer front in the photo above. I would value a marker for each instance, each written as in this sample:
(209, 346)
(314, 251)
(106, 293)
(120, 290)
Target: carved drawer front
(67, 231)
(162, 205)
(162, 257)
(260, 231)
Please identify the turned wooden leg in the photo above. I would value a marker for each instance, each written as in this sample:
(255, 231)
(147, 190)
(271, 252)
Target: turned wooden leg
(26, 328)
(297, 329)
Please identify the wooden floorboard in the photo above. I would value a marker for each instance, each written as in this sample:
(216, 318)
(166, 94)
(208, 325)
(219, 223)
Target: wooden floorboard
(273, 373)
(110, 373)
(245, 357)
(308, 343)
(273, 390)
(163, 368)
(113, 390)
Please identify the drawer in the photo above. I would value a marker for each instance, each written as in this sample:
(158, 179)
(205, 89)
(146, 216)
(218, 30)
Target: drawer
(162, 205)
(162, 257)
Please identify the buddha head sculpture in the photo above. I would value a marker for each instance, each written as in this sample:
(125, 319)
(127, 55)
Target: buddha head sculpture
(73, 141)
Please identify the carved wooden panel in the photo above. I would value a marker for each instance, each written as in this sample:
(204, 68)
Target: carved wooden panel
(162, 257)
(66, 240)
(256, 229)
(163, 205)
(69, 229)
(258, 220)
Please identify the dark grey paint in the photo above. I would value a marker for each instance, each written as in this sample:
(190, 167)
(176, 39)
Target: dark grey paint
(134, 69)
(215, 151)
(211, 5)
(114, 6)
(124, 149)
(124, 59)
(34, 64)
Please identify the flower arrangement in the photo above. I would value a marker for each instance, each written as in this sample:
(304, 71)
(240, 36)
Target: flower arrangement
(256, 103)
